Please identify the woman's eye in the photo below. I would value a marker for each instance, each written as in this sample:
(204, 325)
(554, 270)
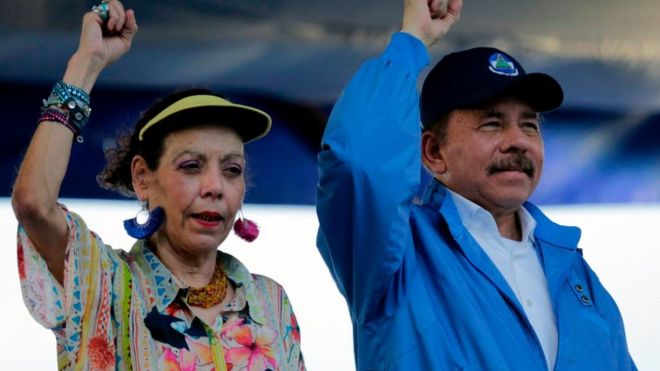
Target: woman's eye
(190, 166)
(234, 170)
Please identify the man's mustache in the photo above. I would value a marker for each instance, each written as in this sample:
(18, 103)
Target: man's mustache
(516, 162)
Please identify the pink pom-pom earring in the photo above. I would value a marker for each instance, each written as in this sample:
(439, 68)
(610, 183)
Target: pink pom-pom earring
(246, 228)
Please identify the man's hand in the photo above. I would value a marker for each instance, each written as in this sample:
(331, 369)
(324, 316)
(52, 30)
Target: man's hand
(428, 20)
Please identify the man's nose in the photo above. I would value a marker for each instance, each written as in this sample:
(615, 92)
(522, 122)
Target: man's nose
(516, 139)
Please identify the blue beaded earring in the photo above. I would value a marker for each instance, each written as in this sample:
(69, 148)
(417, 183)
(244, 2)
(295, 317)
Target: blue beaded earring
(145, 223)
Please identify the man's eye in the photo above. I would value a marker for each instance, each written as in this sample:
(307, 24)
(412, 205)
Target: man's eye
(531, 126)
(490, 125)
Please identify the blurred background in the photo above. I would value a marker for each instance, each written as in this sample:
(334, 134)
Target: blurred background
(292, 58)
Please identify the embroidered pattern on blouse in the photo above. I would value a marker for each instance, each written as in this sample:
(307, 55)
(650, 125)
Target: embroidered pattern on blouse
(119, 310)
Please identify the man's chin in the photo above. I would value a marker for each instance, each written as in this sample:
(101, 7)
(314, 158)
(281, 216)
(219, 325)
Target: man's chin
(512, 182)
(511, 196)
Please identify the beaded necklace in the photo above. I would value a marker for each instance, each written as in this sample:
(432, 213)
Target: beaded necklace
(211, 294)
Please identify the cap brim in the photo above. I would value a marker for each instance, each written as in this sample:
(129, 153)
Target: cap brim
(542, 92)
(250, 123)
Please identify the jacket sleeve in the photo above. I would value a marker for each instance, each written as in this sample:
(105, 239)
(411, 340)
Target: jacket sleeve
(369, 169)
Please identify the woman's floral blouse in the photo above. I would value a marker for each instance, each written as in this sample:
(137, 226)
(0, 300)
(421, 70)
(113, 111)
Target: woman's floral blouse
(119, 310)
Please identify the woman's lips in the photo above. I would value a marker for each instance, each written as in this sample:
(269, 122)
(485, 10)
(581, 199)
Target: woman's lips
(208, 218)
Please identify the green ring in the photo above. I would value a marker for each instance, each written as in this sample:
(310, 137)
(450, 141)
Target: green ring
(102, 11)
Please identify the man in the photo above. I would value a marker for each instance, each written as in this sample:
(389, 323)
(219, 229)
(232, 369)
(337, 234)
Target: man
(473, 276)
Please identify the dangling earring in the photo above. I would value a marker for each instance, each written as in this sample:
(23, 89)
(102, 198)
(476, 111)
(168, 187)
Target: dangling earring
(246, 228)
(145, 223)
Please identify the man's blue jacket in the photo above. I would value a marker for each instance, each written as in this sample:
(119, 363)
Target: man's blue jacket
(421, 292)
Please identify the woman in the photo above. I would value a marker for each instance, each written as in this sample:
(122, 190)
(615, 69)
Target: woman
(174, 301)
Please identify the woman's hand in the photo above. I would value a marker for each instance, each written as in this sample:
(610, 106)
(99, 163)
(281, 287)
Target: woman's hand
(101, 43)
(107, 42)
(428, 20)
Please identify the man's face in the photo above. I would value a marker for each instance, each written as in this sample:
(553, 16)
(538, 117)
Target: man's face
(493, 155)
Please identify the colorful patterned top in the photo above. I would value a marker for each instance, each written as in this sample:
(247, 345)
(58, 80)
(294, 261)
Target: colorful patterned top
(119, 310)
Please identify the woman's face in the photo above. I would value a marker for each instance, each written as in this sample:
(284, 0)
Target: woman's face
(200, 185)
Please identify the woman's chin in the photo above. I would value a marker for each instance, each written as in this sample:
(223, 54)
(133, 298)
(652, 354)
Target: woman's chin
(193, 241)
(205, 243)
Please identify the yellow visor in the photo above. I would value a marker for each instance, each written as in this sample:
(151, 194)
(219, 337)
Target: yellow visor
(250, 123)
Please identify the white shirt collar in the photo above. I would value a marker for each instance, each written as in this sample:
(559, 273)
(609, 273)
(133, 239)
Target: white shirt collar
(476, 218)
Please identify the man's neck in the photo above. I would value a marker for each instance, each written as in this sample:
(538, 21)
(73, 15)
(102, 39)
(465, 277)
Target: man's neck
(509, 225)
(508, 222)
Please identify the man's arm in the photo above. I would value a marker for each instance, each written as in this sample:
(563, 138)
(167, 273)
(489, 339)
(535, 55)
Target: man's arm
(369, 166)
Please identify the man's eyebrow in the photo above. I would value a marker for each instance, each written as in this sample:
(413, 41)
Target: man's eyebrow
(530, 115)
(493, 113)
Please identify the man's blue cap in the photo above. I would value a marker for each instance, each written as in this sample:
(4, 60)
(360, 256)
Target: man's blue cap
(473, 77)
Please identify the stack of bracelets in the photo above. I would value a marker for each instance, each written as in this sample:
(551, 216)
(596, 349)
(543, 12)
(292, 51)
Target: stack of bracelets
(69, 106)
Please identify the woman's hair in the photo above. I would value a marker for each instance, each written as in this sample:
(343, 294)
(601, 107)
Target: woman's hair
(117, 173)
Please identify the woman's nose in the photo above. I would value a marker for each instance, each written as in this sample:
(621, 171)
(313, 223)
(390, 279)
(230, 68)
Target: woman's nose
(212, 184)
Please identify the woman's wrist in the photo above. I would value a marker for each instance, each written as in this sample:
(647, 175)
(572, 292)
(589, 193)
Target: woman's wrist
(82, 71)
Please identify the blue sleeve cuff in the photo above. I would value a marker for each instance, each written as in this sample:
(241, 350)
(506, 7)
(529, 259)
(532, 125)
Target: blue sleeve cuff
(407, 51)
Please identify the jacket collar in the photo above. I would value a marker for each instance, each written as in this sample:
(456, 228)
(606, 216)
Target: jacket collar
(477, 219)
(556, 244)
(546, 230)
(551, 232)
(437, 197)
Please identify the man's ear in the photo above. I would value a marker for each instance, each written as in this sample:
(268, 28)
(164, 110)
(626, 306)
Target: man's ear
(140, 176)
(431, 156)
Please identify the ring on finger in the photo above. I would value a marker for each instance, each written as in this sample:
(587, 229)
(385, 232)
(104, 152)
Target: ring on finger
(102, 10)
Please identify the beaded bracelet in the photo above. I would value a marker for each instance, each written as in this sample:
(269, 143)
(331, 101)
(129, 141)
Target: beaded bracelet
(62, 91)
(60, 116)
(73, 105)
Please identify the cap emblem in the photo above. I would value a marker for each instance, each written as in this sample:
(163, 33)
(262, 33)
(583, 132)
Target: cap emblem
(502, 65)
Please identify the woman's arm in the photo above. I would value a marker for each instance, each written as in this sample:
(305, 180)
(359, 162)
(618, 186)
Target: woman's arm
(37, 186)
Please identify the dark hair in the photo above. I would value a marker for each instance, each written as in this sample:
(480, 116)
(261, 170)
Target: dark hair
(119, 153)
(439, 127)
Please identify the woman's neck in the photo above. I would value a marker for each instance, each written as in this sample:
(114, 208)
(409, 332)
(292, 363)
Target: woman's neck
(191, 269)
